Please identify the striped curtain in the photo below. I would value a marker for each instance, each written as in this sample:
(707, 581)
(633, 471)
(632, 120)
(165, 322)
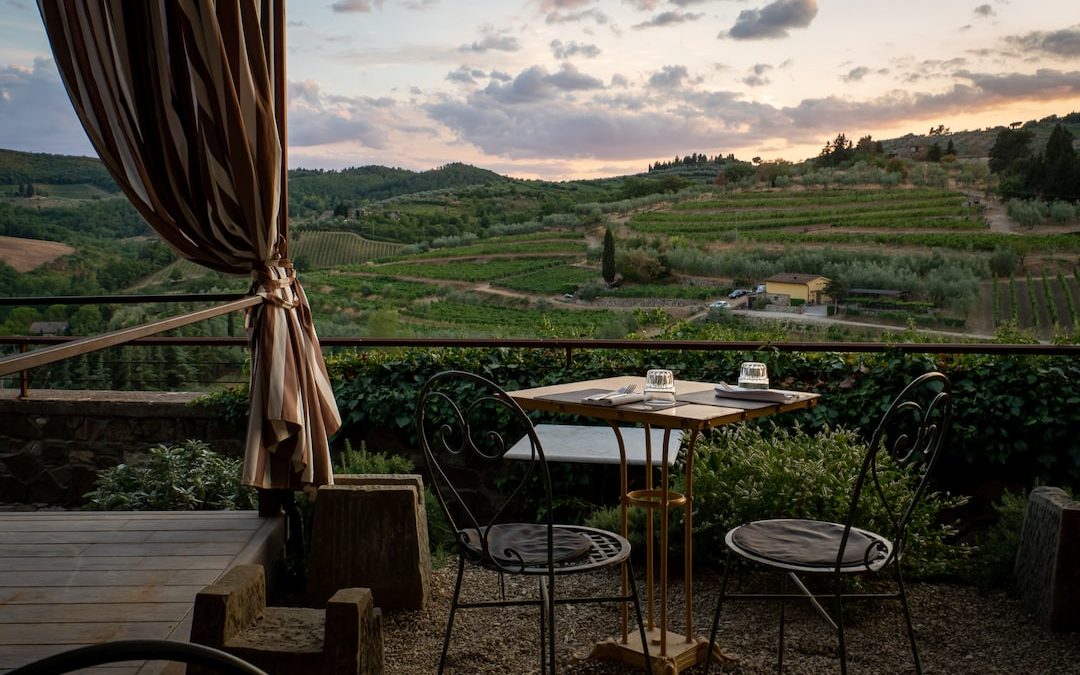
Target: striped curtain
(184, 101)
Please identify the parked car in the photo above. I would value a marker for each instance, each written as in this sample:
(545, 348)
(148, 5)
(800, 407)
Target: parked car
(720, 304)
(738, 293)
(759, 289)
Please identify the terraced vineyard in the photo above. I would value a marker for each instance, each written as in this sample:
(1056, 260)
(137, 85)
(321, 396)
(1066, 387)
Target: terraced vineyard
(1046, 305)
(757, 215)
(550, 280)
(475, 271)
(334, 249)
(486, 319)
(568, 243)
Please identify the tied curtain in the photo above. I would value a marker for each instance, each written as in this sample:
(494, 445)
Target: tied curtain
(184, 101)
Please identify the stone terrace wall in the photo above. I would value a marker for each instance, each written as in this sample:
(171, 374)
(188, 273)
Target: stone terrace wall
(53, 443)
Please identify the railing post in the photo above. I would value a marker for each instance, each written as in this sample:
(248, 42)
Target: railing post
(569, 356)
(24, 376)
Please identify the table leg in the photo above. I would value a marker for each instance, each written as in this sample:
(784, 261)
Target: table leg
(625, 530)
(649, 534)
(688, 531)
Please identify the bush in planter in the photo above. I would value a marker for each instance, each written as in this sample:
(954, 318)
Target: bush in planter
(185, 477)
(746, 472)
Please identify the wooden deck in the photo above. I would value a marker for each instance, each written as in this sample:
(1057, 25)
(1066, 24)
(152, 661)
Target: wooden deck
(75, 578)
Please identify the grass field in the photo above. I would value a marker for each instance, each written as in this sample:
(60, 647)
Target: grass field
(24, 255)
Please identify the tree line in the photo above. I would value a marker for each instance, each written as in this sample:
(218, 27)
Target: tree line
(1051, 174)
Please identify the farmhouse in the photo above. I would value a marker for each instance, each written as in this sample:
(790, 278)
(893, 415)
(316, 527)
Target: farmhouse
(810, 288)
(48, 327)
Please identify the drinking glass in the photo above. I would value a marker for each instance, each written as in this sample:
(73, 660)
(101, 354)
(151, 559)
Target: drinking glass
(659, 388)
(754, 375)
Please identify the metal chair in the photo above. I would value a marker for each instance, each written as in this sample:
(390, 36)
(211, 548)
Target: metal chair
(465, 424)
(911, 431)
(138, 650)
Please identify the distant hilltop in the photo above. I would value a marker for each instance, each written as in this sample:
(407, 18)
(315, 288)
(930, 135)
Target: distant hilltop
(380, 182)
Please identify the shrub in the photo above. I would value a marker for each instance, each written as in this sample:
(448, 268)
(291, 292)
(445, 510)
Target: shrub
(746, 472)
(363, 461)
(185, 477)
(994, 558)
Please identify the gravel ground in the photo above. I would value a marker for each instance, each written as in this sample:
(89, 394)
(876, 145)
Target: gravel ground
(959, 631)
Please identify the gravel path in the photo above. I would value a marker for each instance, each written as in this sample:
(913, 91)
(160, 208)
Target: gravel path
(959, 631)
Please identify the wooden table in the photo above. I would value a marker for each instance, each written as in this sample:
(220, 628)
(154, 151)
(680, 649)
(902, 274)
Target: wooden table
(697, 409)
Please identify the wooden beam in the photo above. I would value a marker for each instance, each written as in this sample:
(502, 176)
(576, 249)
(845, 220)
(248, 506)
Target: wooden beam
(41, 357)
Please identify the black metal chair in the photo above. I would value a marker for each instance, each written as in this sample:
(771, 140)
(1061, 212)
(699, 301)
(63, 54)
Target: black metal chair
(138, 650)
(911, 431)
(465, 424)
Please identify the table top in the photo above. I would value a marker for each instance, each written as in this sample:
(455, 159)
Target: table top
(697, 406)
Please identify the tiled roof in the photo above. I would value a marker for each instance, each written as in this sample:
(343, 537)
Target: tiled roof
(791, 278)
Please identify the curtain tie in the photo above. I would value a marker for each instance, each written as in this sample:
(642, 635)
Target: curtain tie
(274, 282)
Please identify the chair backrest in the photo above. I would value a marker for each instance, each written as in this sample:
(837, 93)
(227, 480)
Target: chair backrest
(465, 425)
(119, 651)
(911, 432)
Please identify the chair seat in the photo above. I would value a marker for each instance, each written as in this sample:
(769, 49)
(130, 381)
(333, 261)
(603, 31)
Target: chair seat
(522, 547)
(809, 545)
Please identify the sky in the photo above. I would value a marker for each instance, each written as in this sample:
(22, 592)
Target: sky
(569, 89)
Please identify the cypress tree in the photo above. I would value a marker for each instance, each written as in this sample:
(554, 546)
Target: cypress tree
(607, 259)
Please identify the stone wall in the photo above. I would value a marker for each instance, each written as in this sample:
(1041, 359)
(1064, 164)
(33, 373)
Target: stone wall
(53, 443)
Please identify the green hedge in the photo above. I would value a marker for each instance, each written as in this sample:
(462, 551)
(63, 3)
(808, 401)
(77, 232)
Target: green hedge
(1015, 416)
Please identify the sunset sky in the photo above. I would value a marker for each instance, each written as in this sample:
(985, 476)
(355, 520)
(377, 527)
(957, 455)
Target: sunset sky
(561, 89)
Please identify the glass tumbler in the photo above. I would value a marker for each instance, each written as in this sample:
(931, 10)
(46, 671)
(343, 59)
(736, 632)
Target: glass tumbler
(754, 375)
(659, 388)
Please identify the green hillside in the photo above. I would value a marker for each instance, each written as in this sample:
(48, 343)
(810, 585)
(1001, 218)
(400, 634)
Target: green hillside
(41, 168)
(317, 190)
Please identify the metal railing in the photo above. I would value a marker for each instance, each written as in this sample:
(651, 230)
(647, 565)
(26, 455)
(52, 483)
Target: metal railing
(58, 348)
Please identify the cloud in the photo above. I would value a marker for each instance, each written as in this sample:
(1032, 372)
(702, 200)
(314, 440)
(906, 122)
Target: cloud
(35, 112)
(316, 118)
(669, 77)
(856, 74)
(355, 5)
(668, 19)
(465, 75)
(565, 50)
(420, 5)
(493, 42)
(569, 78)
(984, 11)
(611, 128)
(536, 84)
(773, 20)
(757, 78)
(556, 5)
(642, 5)
(978, 90)
(576, 17)
(1064, 42)
(1044, 83)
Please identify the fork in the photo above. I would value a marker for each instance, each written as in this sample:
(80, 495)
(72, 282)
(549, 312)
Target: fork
(622, 391)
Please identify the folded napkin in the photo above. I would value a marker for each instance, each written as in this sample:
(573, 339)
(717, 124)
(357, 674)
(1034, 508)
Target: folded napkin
(610, 399)
(724, 390)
